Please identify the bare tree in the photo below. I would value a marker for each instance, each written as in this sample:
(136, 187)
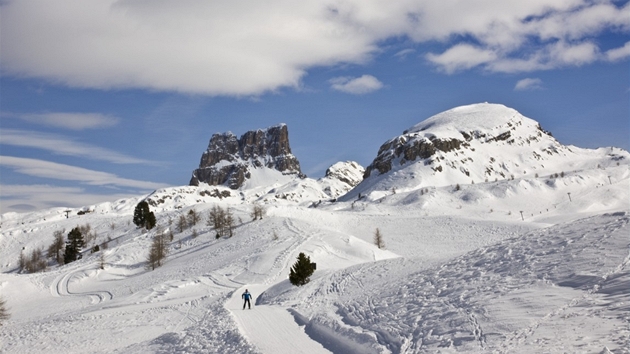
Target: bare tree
(378, 239)
(55, 250)
(101, 261)
(157, 252)
(22, 261)
(258, 212)
(36, 262)
(193, 217)
(182, 223)
(4, 312)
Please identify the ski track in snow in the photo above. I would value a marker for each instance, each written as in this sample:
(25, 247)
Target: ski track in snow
(60, 286)
(449, 306)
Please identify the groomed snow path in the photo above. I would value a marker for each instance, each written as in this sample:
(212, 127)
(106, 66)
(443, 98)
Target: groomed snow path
(272, 329)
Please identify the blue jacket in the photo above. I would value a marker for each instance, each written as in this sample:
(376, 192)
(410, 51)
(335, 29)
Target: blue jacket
(246, 295)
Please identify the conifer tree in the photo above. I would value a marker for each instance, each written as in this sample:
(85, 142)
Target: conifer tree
(143, 217)
(73, 246)
(301, 270)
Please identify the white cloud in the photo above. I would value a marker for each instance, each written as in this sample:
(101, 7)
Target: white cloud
(404, 53)
(249, 47)
(65, 146)
(357, 86)
(47, 169)
(461, 57)
(23, 198)
(618, 53)
(528, 84)
(73, 121)
(578, 54)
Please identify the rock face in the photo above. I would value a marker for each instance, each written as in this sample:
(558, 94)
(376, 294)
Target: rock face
(229, 160)
(455, 130)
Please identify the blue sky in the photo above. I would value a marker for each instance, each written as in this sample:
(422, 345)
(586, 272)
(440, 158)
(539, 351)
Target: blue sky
(105, 99)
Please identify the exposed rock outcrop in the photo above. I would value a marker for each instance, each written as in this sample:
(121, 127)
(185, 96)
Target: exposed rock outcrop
(229, 160)
(348, 172)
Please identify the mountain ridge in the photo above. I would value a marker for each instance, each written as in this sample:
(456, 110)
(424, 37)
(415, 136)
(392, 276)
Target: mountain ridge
(471, 144)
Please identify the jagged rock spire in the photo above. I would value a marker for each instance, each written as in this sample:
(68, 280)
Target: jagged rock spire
(228, 160)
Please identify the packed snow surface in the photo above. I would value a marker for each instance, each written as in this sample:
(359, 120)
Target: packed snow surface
(530, 264)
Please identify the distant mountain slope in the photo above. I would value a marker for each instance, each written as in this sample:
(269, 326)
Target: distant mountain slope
(472, 144)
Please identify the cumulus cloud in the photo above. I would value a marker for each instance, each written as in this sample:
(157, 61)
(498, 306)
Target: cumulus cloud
(250, 47)
(528, 84)
(47, 169)
(461, 57)
(61, 145)
(618, 53)
(73, 121)
(356, 86)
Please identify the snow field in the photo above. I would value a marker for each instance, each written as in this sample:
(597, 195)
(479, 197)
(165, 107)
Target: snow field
(454, 277)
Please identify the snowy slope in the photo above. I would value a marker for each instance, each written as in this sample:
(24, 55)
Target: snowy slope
(524, 265)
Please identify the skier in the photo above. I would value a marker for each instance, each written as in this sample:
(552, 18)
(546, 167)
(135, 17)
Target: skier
(246, 296)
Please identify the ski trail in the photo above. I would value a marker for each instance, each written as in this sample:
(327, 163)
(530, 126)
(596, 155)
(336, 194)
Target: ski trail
(271, 329)
(60, 286)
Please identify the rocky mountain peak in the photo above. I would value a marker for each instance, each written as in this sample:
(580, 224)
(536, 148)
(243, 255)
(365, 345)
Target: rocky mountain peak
(230, 160)
(475, 143)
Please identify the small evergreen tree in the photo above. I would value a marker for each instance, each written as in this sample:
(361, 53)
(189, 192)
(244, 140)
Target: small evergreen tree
(73, 246)
(143, 217)
(301, 270)
(150, 221)
(378, 239)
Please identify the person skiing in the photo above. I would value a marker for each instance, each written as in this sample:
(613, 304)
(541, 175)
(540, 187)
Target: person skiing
(246, 296)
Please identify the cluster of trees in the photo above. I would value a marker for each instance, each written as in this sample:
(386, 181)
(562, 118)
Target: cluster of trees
(258, 212)
(36, 262)
(222, 221)
(189, 220)
(60, 250)
(143, 217)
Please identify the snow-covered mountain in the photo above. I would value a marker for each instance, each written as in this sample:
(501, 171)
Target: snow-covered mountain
(514, 265)
(471, 144)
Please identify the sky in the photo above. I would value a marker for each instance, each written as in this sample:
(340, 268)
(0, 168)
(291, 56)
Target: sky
(105, 99)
